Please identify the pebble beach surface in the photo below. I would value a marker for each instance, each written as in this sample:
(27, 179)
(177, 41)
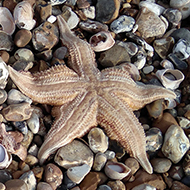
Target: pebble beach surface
(153, 37)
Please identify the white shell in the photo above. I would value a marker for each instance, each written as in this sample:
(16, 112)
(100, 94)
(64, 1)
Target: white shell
(4, 74)
(101, 41)
(7, 21)
(23, 16)
(170, 78)
(166, 64)
(5, 157)
(116, 170)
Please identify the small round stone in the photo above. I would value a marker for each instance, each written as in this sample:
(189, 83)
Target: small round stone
(44, 185)
(116, 185)
(161, 165)
(99, 161)
(4, 55)
(22, 37)
(148, 69)
(133, 164)
(16, 184)
(5, 176)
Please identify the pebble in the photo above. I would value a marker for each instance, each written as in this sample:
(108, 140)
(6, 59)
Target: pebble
(154, 26)
(3, 96)
(38, 172)
(161, 165)
(24, 54)
(98, 141)
(29, 179)
(57, 2)
(117, 184)
(92, 181)
(22, 38)
(27, 139)
(74, 154)
(144, 187)
(122, 24)
(153, 139)
(17, 112)
(67, 182)
(176, 172)
(140, 58)
(163, 46)
(60, 53)
(148, 69)
(2, 186)
(110, 154)
(104, 187)
(33, 150)
(114, 56)
(173, 16)
(5, 176)
(4, 56)
(83, 4)
(44, 185)
(21, 126)
(77, 173)
(101, 41)
(133, 164)
(178, 185)
(99, 161)
(4, 74)
(92, 26)
(16, 184)
(166, 64)
(183, 122)
(41, 41)
(34, 123)
(51, 19)
(181, 33)
(89, 12)
(31, 160)
(175, 143)
(186, 164)
(53, 175)
(116, 170)
(110, 13)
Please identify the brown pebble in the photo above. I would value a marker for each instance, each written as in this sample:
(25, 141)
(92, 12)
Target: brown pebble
(17, 174)
(178, 186)
(10, 4)
(93, 180)
(44, 185)
(187, 114)
(22, 37)
(38, 172)
(133, 164)
(31, 160)
(16, 184)
(4, 55)
(53, 175)
(116, 185)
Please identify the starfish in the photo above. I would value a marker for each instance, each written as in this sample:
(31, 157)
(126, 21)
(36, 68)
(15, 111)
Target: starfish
(84, 97)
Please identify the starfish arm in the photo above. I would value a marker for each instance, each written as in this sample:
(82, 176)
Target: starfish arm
(56, 86)
(121, 124)
(81, 55)
(120, 83)
(71, 121)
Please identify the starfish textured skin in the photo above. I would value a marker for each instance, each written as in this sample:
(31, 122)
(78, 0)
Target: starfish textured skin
(84, 97)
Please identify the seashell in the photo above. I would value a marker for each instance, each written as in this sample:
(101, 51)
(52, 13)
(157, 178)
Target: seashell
(5, 157)
(101, 41)
(7, 21)
(170, 78)
(23, 16)
(116, 170)
(183, 6)
(4, 74)
(166, 64)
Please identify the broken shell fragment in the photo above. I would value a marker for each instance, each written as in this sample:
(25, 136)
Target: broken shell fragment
(170, 78)
(3, 74)
(101, 41)
(116, 170)
(23, 16)
(6, 21)
(5, 157)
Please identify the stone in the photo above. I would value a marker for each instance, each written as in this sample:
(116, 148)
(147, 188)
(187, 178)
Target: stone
(27, 139)
(74, 154)
(178, 185)
(122, 24)
(44, 185)
(34, 123)
(181, 33)
(77, 173)
(53, 175)
(186, 164)
(22, 38)
(83, 4)
(99, 161)
(163, 46)
(183, 122)
(114, 56)
(31, 160)
(38, 172)
(33, 150)
(57, 2)
(153, 139)
(21, 126)
(89, 12)
(161, 165)
(17, 112)
(148, 69)
(92, 181)
(60, 52)
(3, 74)
(41, 41)
(176, 172)
(165, 122)
(67, 182)
(144, 187)
(104, 187)
(151, 27)
(142, 177)
(92, 26)
(24, 54)
(5, 176)
(175, 143)
(3, 96)
(139, 59)
(4, 56)
(29, 179)
(107, 11)
(6, 42)
(182, 49)
(167, 64)
(173, 16)
(110, 154)
(98, 141)
(133, 164)
(2, 186)
(22, 65)
(114, 185)
(16, 184)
